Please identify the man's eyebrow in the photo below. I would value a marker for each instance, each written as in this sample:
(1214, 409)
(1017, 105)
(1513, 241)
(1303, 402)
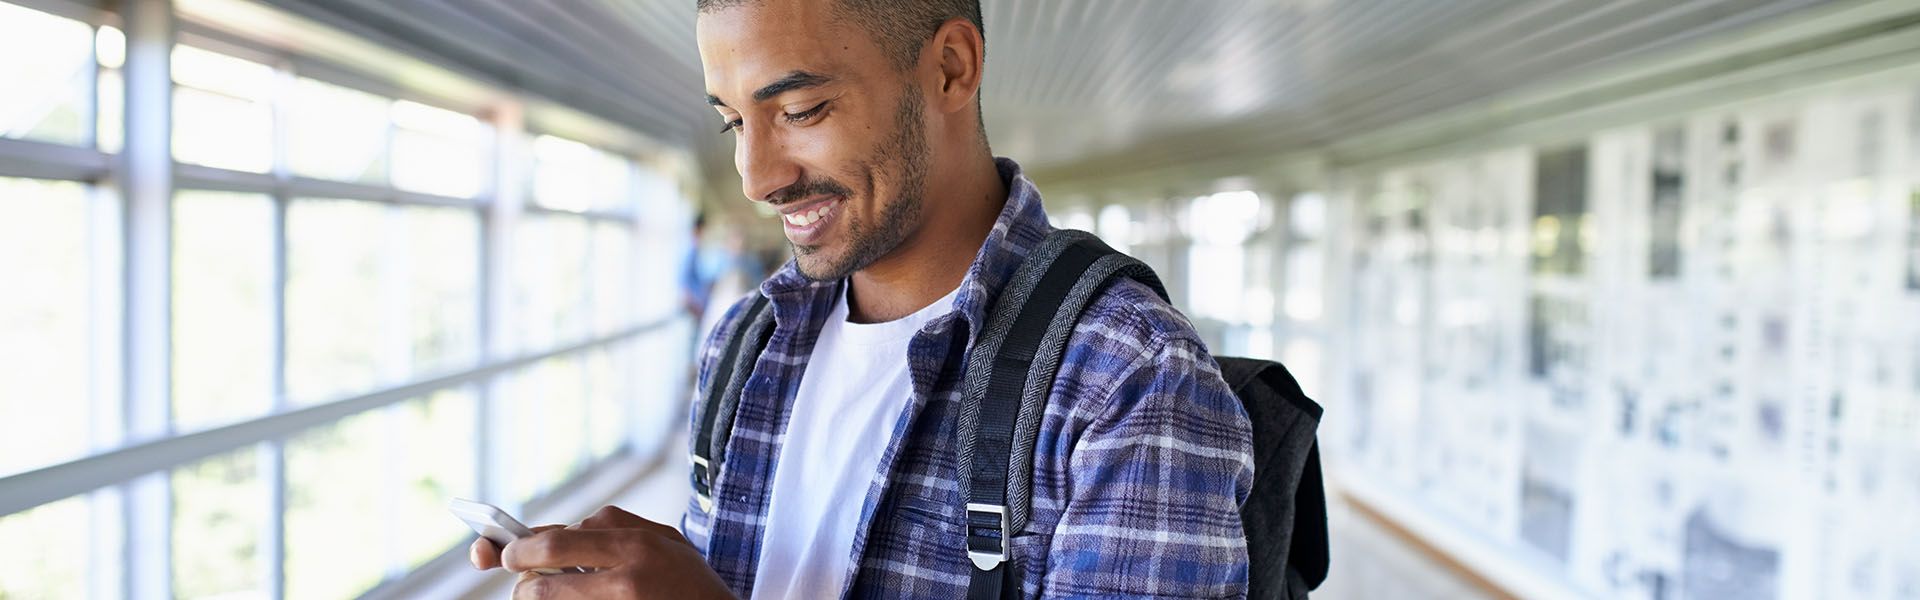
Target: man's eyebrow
(792, 81)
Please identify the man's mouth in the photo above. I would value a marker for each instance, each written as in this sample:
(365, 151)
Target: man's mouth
(805, 220)
(810, 214)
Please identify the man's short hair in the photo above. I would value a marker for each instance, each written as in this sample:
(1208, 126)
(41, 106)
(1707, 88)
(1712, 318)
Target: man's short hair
(901, 27)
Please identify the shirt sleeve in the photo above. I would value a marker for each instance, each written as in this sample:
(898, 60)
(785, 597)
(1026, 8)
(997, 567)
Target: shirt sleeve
(1157, 480)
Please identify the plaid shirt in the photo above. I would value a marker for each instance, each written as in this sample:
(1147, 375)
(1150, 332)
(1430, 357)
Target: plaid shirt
(1144, 455)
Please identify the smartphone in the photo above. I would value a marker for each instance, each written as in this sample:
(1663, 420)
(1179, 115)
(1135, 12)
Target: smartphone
(496, 525)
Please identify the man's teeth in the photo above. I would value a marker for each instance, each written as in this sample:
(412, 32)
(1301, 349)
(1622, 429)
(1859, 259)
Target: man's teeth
(810, 217)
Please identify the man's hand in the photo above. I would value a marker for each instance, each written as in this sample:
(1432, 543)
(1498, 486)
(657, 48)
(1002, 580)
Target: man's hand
(626, 556)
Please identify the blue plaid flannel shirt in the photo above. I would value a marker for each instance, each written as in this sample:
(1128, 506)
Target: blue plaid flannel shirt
(1144, 455)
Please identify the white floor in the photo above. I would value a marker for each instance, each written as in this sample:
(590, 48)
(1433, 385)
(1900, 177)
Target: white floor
(1370, 562)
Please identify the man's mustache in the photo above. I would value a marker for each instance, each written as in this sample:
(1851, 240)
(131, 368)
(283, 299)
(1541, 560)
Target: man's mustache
(805, 189)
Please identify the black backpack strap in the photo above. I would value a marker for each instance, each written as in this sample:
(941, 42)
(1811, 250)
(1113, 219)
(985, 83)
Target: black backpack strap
(1009, 374)
(747, 336)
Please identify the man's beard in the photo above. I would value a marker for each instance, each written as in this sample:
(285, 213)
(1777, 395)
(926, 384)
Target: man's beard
(906, 155)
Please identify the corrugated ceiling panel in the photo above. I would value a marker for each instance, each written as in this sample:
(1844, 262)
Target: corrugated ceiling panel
(1122, 82)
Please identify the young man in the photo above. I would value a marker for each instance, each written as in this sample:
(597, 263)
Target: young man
(859, 122)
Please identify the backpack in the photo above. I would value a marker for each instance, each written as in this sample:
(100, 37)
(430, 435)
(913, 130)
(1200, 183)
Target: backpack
(1009, 374)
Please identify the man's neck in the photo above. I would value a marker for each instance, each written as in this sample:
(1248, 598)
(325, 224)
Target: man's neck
(932, 262)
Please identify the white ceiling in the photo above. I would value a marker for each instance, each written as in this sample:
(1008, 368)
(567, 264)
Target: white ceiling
(1086, 86)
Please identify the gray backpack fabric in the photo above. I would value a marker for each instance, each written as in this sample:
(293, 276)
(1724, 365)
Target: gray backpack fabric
(1009, 373)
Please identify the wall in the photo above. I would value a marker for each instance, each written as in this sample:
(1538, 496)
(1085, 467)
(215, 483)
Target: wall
(1674, 359)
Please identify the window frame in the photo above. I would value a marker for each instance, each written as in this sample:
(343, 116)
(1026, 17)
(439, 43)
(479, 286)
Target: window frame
(126, 480)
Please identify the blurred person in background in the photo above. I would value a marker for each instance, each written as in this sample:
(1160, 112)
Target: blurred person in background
(698, 269)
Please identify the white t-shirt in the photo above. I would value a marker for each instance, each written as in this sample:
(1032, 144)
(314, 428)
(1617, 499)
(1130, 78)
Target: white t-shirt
(850, 397)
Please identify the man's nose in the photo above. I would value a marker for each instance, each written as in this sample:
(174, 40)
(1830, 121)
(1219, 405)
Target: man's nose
(763, 163)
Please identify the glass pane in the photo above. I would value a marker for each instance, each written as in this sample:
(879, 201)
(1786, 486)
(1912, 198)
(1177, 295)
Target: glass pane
(48, 557)
(336, 133)
(336, 490)
(437, 463)
(438, 151)
(659, 368)
(111, 121)
(613, 275)
(222, 307)
(549, 280)
(111, 46)
(381, 477)
(221, 111)
(44, 98)
(443, 289)
(377, 294)
(219, 522)
(548, 403)
(665, 238)
(335, 314)
(44, 324)
(569, 175)
(613, 397)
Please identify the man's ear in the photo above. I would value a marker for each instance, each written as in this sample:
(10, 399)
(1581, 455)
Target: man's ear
(961, 52)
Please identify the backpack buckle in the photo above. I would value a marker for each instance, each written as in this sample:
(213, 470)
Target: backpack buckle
(701, 492)
(986, 535)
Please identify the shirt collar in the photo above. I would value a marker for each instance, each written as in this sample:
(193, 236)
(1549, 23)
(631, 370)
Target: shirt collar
(1022, 224)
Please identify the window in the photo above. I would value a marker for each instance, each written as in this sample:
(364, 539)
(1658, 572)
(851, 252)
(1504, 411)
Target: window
(110, 45)
(54, 561)
(377, 293)
(381, 478)
(1304, 292)
(223, 294)
(355, 272)
(612, 294)
(611, 396)
(336, 133)
(1216, 265)
(548, 402)
(45, 324)
(336, 477)
(1115, 226)
(435, 461)
(222, 110)
(335, 329)
(438, 151)
(572, 176)
(550, 275)
(442, 285)
(46, 98)
(219, 518)
(343, 134)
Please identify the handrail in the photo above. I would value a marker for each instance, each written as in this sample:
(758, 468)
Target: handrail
(33, 488)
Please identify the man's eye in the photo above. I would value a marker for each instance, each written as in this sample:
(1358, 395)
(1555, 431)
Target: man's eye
(805, 114)
(731, 126)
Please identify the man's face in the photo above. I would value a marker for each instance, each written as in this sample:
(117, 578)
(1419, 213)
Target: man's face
(827, 131)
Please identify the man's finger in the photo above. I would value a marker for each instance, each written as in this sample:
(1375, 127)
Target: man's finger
(562, 548)
(613, 517)
(483, 555)
(603, 584)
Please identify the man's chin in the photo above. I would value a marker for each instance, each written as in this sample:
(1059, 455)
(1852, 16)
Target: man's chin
(814, 264)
